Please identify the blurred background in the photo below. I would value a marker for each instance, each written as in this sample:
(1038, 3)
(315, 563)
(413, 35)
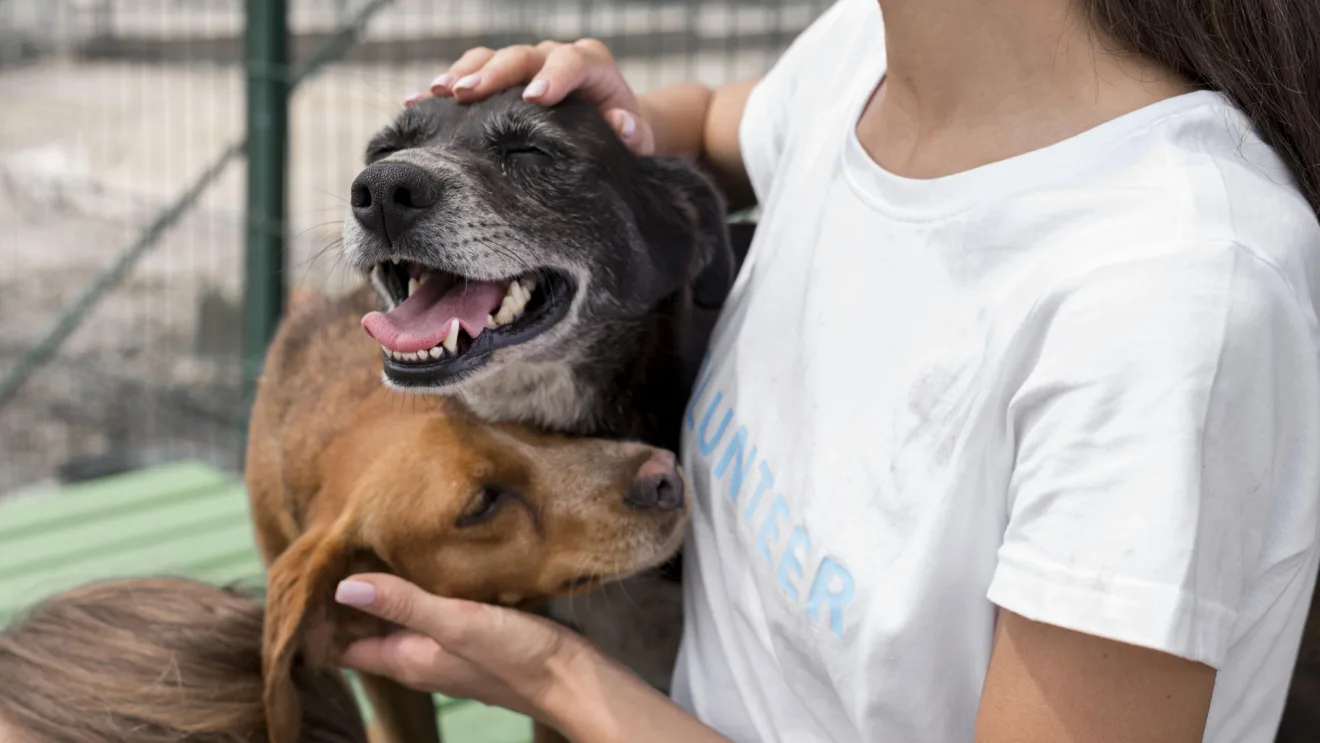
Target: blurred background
(145, 250)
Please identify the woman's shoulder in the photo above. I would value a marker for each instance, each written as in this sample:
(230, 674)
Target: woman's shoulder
(1222, 183)
(1195, 188)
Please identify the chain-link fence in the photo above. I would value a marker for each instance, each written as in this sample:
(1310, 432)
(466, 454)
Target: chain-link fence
(113, 108)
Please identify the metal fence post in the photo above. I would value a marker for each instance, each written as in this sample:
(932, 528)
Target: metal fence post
(267, 65)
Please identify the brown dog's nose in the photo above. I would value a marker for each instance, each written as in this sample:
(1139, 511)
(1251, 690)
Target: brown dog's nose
(389, 196)
(657, 485)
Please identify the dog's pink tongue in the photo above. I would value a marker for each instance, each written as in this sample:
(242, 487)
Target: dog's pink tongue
(423, 320)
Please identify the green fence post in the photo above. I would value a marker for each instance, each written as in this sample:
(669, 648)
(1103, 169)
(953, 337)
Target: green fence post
(268, 85)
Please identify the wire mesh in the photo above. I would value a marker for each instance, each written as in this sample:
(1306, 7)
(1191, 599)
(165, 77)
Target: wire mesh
(109, 109)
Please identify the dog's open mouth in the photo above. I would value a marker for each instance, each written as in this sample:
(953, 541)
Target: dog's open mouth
(441, 324)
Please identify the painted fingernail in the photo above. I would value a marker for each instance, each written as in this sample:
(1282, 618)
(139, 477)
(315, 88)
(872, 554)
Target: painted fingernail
(415, 97)
(442, 81)
(466, 83)
(627, 125)
(355, 593)
(535, 89)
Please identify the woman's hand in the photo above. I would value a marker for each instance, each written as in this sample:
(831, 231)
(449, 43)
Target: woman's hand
(688, 119)
(511, 659)
(461, 648)
(551, 70)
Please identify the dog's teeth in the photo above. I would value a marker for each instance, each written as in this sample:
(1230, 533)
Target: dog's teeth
(451, 340)
(490, 322)
(395, 259)
(413, 286)
(410, 356)
(504, 316)
(438, 353)
(517, 306)
(513, 304)
(528, 284)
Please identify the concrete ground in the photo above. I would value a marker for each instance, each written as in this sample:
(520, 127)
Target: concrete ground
(89, 153)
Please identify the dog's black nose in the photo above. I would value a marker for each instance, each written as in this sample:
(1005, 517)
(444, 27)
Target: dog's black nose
(389, 196)
(658, 484)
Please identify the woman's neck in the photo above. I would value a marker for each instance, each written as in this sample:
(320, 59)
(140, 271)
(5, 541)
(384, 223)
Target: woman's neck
(970, 82)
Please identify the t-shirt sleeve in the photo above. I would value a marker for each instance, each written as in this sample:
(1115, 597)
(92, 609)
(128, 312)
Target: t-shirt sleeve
(767, 117)
(1166, 445)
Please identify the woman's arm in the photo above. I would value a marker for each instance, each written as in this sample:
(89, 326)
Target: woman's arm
(1052, 685)
(599, 701)
(511, 659)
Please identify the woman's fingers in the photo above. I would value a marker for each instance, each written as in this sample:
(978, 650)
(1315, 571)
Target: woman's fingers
(551, 72)
(633, 130)
(468, 64)
(459, 648)
(409, 657)
(564, 71)
(396, 600)
(510, 66)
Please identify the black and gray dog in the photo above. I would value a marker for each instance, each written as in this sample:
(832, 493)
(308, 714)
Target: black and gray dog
(535, 268)
(532, 266)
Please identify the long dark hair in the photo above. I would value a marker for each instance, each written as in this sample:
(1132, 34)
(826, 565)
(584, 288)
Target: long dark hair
(1263, 54)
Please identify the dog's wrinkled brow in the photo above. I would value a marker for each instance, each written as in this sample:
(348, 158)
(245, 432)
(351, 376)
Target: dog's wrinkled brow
(516, 124)
(420, 126)
(411, 129)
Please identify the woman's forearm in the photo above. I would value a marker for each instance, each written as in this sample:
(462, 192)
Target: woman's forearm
(597, 701)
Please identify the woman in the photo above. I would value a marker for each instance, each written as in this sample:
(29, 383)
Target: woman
(1010, 429)
(152, 660)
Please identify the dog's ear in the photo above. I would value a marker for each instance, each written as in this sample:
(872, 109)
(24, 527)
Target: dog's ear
(299, 621)
(702, 216)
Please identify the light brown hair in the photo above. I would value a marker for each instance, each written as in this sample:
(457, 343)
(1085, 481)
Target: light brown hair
(153, 660)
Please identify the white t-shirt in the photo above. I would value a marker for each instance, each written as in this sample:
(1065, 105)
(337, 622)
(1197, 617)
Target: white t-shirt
(1082, 384)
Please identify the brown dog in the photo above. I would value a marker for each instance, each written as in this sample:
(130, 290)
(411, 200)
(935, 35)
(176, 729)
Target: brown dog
(345, 475)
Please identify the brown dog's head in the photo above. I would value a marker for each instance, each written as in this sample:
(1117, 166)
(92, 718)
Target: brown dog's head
(493, 513)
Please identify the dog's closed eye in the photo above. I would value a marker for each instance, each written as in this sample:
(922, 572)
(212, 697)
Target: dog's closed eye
(525, 156)
(483, 506)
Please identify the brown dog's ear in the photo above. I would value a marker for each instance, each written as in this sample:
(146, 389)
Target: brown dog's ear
(299, 619)
(701, 217)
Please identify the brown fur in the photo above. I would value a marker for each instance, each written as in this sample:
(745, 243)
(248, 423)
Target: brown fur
(346, 475)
